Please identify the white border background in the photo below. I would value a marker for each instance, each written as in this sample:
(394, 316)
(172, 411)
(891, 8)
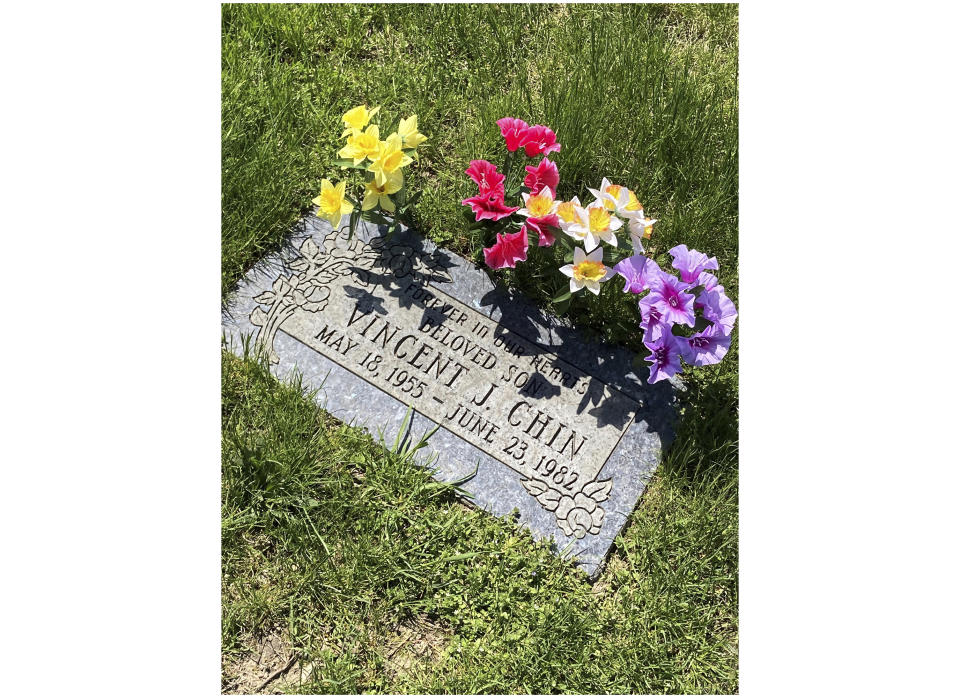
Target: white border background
(848, 379)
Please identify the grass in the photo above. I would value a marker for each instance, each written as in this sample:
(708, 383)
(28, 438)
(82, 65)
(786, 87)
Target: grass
(374, 575)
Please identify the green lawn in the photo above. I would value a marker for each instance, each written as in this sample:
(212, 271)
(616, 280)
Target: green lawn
(339, 550)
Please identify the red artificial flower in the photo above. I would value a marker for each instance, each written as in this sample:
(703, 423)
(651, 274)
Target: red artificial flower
(508, 250)
(545, 174)
(539, 140)
(490, 206)
(513, 131)
(542, 227)
(486, 176)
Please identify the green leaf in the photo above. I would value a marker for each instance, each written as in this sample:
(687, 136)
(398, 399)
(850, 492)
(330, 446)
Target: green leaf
(354, 218)
(565, 296)
(375, 217)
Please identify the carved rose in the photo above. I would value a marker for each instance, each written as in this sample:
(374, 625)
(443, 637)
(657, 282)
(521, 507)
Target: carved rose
(400, 260)
(314, 300)
(579, 515)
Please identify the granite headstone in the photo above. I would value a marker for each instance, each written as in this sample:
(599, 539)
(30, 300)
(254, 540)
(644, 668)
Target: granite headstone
(532, 417)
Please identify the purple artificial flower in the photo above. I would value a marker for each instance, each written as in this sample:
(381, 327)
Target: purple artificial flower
(709, 283)
(690, 263)
(638, 271)
(719, 309)
(665, 356)
(705, 348)
(668, 295)
(651, 320)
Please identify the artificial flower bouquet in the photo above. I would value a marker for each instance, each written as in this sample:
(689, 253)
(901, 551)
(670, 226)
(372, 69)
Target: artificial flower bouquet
(382, 160)
(687, 317)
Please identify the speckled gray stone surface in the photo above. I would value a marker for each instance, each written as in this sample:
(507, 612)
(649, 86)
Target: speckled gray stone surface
(533, 417)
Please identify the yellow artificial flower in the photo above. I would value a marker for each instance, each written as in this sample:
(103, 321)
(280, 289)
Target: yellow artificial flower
(332, 202)
(389, 160)
(362, 145)
(409, 133)
(379, 195)
(357, 118)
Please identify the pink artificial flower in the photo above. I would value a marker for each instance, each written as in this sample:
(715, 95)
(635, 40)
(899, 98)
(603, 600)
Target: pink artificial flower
(513, 131)
(545, 174)
(541, 226)
(539, 140)
(486, 176)
(490, 206)
(508, 250)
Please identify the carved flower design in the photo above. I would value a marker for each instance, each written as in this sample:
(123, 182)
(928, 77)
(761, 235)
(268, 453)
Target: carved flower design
(314, 300)
(316, 267)
(579, 515)
(400, 260)
(283, 288)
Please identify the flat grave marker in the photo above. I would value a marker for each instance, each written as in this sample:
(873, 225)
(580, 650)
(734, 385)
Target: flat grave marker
(532, 417)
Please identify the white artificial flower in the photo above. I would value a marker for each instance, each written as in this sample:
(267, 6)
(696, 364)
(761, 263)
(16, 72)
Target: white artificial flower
(538, 205)
(595, 223)
(640, 229)
(567, 213)
(587, 270)
(613, 197)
